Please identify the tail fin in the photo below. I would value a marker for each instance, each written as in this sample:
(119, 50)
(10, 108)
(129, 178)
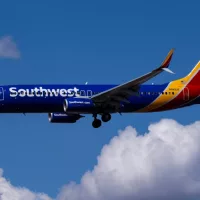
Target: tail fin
(193, 78)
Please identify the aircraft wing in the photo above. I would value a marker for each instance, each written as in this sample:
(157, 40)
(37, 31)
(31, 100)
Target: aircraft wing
(121, 92)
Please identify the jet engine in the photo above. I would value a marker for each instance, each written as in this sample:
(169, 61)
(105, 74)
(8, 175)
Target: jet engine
(63, 118)
(78, 105)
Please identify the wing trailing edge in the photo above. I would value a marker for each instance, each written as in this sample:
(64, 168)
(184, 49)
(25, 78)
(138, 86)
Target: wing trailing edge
(124, 91)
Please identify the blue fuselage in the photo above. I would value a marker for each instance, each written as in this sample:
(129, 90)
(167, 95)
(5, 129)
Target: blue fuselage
(50, 98)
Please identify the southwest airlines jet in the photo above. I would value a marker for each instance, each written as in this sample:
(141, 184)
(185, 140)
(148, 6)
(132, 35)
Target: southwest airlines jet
(68, 103)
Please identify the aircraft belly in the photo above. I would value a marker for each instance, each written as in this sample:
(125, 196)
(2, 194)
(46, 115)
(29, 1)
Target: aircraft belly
(145, 104)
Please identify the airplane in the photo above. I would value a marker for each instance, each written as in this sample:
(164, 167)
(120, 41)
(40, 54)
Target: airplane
(69, 103)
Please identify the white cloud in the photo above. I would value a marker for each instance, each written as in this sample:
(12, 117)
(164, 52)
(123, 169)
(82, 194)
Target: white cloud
(8, 192)
(8, 48)
(163, 164)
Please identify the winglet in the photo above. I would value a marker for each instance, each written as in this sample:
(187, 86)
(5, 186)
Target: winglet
(166, 62)
(168, 70)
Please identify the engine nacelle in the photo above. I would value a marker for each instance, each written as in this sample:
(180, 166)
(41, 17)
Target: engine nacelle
(63, 118)
(78, 105)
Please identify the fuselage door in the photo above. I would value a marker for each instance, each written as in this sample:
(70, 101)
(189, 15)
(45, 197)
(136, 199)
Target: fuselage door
(1, 94)
(89, 93)
(186, 94)
(82, 93)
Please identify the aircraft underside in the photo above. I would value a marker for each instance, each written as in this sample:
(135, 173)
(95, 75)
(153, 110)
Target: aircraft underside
(60, 111)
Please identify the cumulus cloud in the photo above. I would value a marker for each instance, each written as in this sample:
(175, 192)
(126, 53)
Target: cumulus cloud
(8, 192)
(161, 164)
(8, 48)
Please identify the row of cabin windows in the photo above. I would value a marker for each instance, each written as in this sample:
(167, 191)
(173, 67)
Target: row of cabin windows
(82, 92)
(90, 93)
(156, 93)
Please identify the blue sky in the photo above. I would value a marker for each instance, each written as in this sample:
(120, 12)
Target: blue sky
(86, 41)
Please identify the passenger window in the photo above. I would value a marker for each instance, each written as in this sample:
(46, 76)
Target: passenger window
(173, 93)
(166, 93)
